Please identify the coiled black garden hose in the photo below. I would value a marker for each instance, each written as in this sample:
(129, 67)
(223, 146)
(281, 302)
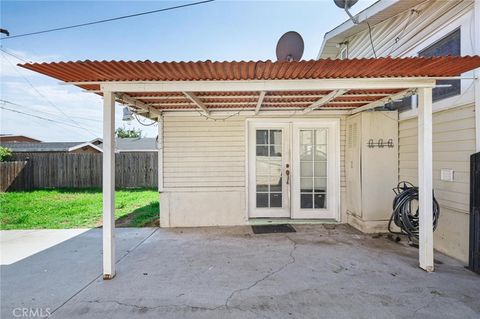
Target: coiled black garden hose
(403, 216)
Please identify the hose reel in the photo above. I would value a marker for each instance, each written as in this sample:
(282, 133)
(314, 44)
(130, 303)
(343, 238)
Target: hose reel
(405, 216)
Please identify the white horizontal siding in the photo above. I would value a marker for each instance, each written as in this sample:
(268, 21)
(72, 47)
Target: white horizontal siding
(399, 34)
(204, 153)
(453, 143)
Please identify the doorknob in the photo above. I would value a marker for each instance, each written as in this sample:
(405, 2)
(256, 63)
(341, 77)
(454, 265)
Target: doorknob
(287, 172)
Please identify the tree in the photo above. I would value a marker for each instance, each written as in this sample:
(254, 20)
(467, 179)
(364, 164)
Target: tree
(122, 132)
(5, 153)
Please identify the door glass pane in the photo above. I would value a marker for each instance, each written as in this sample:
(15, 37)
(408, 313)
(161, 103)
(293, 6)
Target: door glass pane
(262, 137)
(275, 199)
(306, 169)
(262, 199)
(269, 168)
(320, 169)
(320, 200)
(306, 201)
(313, 168)
(321, 152)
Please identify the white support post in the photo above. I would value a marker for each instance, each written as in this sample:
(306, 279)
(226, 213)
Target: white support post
(108, 185)
(160, 153)
(425, 184)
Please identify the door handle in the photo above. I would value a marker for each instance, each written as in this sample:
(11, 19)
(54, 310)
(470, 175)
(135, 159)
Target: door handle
(287, 172)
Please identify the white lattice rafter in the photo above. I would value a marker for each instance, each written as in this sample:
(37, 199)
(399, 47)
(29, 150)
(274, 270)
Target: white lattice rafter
(138, 104)
(197, 101)
(324, 100)
(385, 100)
(259, 102)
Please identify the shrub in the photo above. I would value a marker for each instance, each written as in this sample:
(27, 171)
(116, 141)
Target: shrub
(5, 153)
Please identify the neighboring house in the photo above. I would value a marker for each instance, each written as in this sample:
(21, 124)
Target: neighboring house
(135, 144)
(426, 28)
(53, 147)
(122, 145)
(10, 138)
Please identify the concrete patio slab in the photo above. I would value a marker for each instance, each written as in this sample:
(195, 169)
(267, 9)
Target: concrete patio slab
(54, 265)
(318, 272)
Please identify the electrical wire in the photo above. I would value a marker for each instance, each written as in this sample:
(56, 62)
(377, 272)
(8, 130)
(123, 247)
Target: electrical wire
(14, 55)
(107, 20)
(141, 123)
(371, 39)
(400, 34)
(403, 215)
(41, 118)
(44, 97)
(48, 113)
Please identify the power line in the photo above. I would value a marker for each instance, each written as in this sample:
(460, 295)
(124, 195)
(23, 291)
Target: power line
(41, 117)
(43, 96)
(14, 55)
(107, 20)
(48, 113)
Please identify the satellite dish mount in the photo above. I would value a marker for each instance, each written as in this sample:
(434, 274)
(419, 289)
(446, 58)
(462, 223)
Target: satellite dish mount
(347, 4)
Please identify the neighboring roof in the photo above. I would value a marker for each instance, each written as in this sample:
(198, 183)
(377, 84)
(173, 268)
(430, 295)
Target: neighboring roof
(144, 144)
(86, 144)
(41, 147)
(17, 138)
(375, 14)
(90, 74)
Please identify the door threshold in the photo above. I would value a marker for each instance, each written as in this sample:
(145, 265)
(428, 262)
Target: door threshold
(277, 221)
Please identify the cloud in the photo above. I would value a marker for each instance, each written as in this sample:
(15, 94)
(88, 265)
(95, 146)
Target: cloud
(39, 95)
(9, 61)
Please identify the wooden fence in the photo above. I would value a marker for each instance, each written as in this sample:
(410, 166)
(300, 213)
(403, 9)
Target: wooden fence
(15, 175)
(59, 170)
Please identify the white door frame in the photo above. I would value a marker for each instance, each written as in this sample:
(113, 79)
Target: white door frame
(333, 166)
(333, 170)
(253, 211)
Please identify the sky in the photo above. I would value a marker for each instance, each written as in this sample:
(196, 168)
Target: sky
(220, 30)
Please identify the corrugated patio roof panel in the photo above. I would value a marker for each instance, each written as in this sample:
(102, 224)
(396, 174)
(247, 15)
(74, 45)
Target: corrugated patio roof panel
(100, 71)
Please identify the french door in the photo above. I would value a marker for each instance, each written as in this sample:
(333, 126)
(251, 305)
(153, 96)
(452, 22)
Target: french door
(293, 168)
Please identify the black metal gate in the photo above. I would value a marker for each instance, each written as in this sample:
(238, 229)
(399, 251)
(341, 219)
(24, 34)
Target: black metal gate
(474, 258)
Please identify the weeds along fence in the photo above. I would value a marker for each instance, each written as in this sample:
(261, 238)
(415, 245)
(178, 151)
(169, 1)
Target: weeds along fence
(63, 170)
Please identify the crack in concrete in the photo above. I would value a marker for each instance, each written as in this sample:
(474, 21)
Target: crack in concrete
(270, 274)
(225, 306)
(143, 308)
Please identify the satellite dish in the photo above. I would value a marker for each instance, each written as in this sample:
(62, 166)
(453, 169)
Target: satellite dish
(290, 47)
(345, 4)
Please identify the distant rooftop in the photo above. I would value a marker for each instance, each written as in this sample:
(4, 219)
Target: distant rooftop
(146, 144)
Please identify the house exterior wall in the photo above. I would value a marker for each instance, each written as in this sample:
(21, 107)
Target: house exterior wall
(454, 129)
(453, 142)
(403, 34)
(204, 171)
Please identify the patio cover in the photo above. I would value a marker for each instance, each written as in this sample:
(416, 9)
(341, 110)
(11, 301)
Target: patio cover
(89, 75)
(151, 88)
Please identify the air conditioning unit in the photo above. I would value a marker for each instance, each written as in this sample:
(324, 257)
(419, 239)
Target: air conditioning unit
(371, 169)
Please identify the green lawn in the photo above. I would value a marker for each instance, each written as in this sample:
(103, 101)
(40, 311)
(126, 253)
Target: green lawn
(75, 208)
